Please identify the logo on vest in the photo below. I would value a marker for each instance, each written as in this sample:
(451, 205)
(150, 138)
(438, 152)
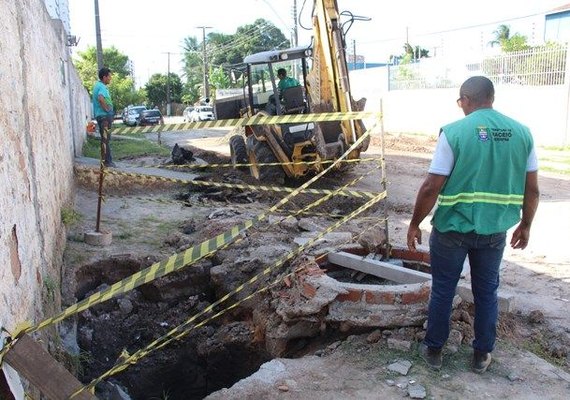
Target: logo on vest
(483, 133)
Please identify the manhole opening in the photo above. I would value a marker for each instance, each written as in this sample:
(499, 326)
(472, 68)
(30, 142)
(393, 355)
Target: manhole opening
(205, 360)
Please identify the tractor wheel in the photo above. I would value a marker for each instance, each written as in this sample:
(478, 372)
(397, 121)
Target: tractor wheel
(238, 153)
(262, 154)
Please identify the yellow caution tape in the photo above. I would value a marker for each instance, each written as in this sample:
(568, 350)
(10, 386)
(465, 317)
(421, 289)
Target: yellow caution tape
(181, 330)
(157, 270)
(206, 166)
(179, 260)
(255, 120)
(155, 178)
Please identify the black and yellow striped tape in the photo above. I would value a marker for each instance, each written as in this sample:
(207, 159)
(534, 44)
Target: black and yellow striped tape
(255, 120)
(181, 330)
(153, 272)
(206, 166)
(352, 193)
(176, 261)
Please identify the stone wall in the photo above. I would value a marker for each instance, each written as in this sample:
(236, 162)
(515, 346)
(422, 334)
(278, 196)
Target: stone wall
(44, 110)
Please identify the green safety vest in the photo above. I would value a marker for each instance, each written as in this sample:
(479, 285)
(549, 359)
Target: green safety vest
(485, 190)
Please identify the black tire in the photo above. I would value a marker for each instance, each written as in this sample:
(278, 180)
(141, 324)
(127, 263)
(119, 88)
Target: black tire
(238, 153)
(262, 154)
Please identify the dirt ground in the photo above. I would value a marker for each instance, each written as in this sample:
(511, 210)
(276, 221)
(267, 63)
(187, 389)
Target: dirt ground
(146, 220)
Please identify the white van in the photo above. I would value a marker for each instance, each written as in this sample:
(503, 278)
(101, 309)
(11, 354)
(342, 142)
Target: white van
(202, 113)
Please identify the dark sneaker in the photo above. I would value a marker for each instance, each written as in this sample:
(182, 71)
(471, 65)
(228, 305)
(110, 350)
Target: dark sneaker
(111, 165)
(431, 356)
(480, 361)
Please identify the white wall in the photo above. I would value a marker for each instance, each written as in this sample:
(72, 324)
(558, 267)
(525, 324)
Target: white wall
(42, 124)
(544, 109)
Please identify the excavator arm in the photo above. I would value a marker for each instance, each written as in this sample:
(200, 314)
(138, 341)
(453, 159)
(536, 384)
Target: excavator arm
(328, 82)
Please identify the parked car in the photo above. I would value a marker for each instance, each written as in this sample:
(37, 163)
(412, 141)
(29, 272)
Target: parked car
(131, 115)
(150, 117)
(202, 113)
(186, 113)
(131, 118)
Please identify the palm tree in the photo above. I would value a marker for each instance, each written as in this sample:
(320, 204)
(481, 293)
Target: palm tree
(502, 33)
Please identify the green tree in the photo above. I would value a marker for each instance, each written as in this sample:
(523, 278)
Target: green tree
(219, 78)
(156, 89)
(508, 43)
(516, 42)
(86, 64)
(122, 86)
(502, 33)
(223, 50)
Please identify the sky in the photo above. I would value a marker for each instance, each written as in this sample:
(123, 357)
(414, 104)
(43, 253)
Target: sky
(151, 32)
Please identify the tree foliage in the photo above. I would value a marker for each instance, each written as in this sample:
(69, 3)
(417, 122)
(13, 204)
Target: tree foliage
(411, 54)
(223, 50)
(156, 89)
(508, 43)
(122, 87)
(86, 64)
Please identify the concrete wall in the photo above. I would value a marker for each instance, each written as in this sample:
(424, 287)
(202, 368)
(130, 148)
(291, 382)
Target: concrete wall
(544, 109)
(44, 110)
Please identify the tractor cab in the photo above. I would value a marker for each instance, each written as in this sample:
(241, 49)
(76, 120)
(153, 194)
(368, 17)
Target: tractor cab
(261, 86)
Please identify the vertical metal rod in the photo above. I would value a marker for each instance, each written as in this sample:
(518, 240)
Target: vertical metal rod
(104, 133)
(383, 182)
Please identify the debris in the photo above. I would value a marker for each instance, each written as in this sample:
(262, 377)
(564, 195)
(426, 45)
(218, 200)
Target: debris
(536, 317)
(399, 344)
(374, 337)
(513, 377)
(401, 366)
(181, 156)
(283, 388)
(417, 391)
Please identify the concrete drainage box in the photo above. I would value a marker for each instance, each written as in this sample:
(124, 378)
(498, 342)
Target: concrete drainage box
(398, 298)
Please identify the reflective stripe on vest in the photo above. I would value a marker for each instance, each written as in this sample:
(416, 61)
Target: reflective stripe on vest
(481, 197)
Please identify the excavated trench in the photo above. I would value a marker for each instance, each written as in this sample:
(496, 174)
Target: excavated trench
(289, 320)
(205, 360)
(210, 357)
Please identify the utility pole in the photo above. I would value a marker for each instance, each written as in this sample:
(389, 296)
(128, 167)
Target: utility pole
(295, 26)
(168, 113)
(206, 84)
(98, 37)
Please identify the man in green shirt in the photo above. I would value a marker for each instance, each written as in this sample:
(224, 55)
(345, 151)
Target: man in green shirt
(484, 171)
(285, 81)
(104, 113)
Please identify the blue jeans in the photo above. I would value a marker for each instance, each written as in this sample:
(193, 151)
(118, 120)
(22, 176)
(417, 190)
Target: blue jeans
(105, 123)
(447, 252)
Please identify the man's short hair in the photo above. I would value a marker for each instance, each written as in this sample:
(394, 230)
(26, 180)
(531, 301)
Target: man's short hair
(104, 72)
(281, 72)
(479, 89)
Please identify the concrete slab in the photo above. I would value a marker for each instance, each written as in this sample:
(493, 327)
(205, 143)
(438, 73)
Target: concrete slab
(378, 268)
(402, 275)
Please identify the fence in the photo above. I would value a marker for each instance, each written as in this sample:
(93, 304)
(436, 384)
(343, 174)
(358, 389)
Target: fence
(540, 66)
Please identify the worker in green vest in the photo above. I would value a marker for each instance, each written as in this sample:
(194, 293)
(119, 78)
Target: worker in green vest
(483, 173)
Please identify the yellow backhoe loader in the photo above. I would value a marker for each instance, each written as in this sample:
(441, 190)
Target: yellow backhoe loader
(323, 86)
